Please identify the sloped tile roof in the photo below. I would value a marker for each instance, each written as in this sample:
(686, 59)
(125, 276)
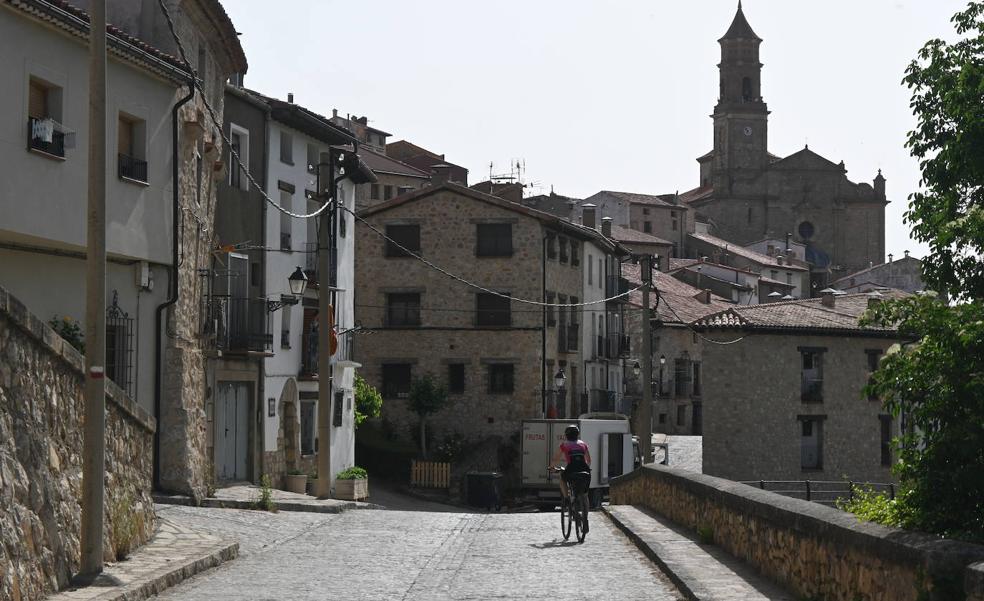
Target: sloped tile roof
(380, 163)
(751, 255)
(658, 200)
(624, 234)
(677, 302)
(807, 315)
(740, 29)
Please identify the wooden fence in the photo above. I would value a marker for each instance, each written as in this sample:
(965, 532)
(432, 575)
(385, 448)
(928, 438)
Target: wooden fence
(430, 474)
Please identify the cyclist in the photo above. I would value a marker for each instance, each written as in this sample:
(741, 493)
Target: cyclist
(576, 455)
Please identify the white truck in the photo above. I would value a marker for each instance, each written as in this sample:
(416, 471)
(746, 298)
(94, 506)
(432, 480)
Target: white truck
(609, 441)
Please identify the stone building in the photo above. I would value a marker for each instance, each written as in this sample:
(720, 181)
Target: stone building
(498, 358)
(785, 398)
(904, 274)
(748, 193)
(662, 216)
(148, 248)
(677, 358)
(440, 170)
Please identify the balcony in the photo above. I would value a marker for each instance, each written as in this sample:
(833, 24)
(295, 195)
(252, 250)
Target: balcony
(600, 346)
(131, 168)
(285, 241)
(811, 390)
(239, 324)
(311, 261)
(41, 136)
(605, 401)
(616, 285)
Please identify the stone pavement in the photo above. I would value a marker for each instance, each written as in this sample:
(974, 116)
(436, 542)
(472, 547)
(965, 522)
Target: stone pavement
(686, 452)
(175, 553)
(701, 571)
(246, 496)
(416, 555)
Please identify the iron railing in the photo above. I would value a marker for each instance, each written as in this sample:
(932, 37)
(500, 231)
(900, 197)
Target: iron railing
(811, 390)
(132, 168)
(239, 324)
(311, 261)
(573, 337)
(119, 346)
(826, 492)
(36, 140)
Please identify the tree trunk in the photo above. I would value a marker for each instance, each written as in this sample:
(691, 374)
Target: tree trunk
(423, 437)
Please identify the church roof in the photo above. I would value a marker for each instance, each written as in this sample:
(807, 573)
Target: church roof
(660, 200)
(740, 29)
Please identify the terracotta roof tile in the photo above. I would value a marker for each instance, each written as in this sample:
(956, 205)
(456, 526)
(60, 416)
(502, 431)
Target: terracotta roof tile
(677, 303)
(751, 255)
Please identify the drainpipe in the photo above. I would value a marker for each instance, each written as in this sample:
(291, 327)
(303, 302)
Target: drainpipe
(259, 403)
(172, 294)
(543, 329)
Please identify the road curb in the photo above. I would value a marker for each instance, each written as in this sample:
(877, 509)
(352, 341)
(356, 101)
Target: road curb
(280, 505)
(684, 583)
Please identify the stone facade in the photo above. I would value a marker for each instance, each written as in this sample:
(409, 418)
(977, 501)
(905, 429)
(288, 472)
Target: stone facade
(41, 412)
(814, 551)
(902, 274)
(449, 333)
(753, 425)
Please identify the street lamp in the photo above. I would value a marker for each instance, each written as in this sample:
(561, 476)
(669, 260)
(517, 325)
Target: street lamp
(662, 362)
(636, 369)
(560, 379)
(298, 282)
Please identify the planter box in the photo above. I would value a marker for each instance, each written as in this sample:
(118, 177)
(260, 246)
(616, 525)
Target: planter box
(352, 490)
(296, 483)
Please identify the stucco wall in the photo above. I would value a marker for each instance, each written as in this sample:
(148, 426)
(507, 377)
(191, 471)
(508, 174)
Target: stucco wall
(816, 552)
(41, 412)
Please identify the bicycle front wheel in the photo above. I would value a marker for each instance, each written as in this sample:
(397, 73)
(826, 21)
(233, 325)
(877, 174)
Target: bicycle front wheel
(566, 518)
(581, 517)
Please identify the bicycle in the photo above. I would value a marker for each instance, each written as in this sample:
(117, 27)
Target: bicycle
(574, 506)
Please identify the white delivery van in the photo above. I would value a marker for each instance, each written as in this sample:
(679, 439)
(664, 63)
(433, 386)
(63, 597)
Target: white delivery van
(609, 441)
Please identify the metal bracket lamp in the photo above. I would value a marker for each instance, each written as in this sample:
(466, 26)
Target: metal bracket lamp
(298, 284)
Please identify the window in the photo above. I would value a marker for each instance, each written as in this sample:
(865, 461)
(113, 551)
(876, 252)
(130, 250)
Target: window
(774, 274)
(873, 356)
(313, 158)
(645, 211)
(240, 144)
(407, 236)
(374, 192)
(130, 148)
(681, 377)
(307, 427)
(387, 192)
(493, 310)
(286, 148)
(601, 274)
(811, 382)
(396, 380)
(404, 190)
(746, 88)
(551, 246)
(500, 379)
(551, 318)
(696, 382)
(590, 269)
(342, 223)
(494, 239)
(647, 226)
(675, 224)
(811, 442)
(789, 278)
(749, 217)
(563, 249)
(456, 378)
(403, 309)
(285, 202)
(285, 326)
(806, 230)
(681, 415)
(337, 407)
(885, 422)
(662, 418)
(119, 347)
(575, 254)
(43, 114)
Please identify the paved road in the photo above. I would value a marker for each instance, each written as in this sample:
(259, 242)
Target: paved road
(415, 555)
(686, 452)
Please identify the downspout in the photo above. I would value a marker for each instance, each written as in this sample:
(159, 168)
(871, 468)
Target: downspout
(543, 329)
(258, 403)
(172, 294)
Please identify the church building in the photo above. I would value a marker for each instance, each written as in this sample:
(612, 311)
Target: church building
(747, 194)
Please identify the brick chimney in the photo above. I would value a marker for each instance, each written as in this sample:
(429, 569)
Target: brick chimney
(827, 297)
(606, 227)
(440, 174)
(290, 97)
(588, 213)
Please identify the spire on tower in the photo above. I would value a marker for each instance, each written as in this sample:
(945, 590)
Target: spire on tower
(740, 29)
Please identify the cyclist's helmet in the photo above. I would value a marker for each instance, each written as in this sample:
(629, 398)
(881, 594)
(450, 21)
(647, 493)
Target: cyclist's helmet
(572, 433)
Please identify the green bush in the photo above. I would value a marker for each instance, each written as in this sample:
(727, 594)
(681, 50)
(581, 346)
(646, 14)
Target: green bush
(368, 401)
(450, 448)
(871, 506)
(352, 473)
(70, 330)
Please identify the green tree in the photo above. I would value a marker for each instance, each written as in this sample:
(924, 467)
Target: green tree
(427, 397)
(935, 380)
(368, 401)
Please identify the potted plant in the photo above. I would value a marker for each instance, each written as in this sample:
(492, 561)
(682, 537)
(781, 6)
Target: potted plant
(352, 484)
(297, 481)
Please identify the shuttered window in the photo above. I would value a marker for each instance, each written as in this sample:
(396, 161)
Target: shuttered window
(125, 137)
(37, 106)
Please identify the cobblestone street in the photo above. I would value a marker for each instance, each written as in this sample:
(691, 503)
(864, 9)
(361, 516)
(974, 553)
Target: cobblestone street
(383, 554)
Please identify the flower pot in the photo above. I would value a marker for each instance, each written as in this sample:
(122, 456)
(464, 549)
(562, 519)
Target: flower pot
(297, 483)
(352, 490)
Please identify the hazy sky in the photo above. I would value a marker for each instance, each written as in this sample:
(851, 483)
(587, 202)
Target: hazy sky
(602, 95)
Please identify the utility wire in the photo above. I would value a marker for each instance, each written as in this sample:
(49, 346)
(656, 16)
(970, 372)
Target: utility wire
(472, 284)
(218, 124)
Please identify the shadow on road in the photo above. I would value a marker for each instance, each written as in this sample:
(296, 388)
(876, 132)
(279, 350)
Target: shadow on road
(554, 544)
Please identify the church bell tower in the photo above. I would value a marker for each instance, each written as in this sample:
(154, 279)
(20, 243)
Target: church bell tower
(740, 116)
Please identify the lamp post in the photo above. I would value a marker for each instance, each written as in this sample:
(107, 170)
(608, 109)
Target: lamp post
(560, 383)
(297, 282)
(662, 362)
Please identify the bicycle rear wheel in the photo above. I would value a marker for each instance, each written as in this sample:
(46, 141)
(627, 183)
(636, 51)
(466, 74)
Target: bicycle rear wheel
(566, 518)
(581, 517)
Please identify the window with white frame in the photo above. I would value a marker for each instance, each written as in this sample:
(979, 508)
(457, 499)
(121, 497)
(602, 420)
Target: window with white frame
(237, 168)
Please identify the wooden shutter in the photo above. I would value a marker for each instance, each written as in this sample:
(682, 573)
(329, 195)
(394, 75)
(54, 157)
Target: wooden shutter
(37, 106)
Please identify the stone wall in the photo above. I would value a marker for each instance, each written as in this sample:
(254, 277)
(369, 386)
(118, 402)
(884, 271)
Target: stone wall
(41, 415)
(815, 551)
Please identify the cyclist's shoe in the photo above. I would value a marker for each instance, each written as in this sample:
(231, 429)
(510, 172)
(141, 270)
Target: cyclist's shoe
(585, 526)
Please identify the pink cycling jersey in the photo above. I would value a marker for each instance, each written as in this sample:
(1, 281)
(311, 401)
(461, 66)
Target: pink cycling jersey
(579, 448)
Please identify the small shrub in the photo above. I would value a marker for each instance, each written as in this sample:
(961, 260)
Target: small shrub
(126, 525)
(871, 506)
(450, 448)
(705, 534)
(352, 473)
(69, 329)
(265, 502)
